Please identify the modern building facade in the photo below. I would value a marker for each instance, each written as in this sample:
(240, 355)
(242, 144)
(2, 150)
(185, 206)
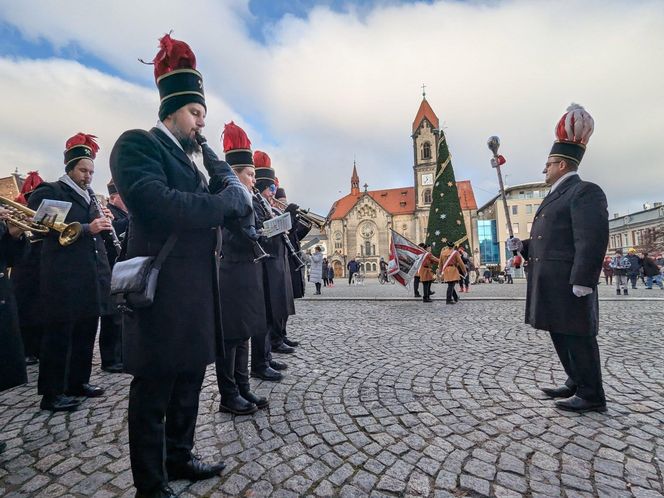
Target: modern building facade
(642, 230)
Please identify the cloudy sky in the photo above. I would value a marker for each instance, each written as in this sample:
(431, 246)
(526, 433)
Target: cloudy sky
(318, 83)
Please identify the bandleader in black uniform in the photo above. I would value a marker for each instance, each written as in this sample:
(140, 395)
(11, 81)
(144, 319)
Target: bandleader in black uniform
(168, 345)
(241, 288)
(74, 283)
(565, 252)
(110, 331)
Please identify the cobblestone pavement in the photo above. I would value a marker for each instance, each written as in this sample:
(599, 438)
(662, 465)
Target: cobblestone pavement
(386, 399)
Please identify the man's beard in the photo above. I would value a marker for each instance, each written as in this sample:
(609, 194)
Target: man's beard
(189, 144)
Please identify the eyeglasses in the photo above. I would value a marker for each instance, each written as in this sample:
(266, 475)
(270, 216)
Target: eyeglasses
(546, 165)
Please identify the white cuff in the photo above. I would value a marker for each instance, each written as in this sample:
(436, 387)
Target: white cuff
(580, 290)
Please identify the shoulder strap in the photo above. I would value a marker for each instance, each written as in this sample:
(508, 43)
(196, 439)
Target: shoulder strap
(168, 246)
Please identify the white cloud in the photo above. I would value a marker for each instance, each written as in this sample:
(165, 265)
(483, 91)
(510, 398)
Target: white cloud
(336, 85)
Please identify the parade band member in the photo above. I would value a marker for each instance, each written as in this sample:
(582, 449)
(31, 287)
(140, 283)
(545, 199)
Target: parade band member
(110, 331)
(453, 269)
(168, 345)
(277, 284)
(25, 280)
(565, 252)
(427, 274)
(74, 283)
(13, 247)
(241, 291)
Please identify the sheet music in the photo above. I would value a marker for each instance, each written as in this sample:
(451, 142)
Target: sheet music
(50, 212)
(277, 225)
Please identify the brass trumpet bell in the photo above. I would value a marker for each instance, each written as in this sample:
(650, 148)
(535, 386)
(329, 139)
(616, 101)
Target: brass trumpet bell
(19, 214)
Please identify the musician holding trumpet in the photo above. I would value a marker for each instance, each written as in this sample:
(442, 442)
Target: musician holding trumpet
(74, 282)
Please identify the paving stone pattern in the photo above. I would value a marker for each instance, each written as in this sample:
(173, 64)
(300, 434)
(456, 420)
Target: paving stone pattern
(386, 399)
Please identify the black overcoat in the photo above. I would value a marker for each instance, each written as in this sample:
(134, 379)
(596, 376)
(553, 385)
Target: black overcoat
(12, 356)
(241, 284)
(297, 233)
(25, 279)
(165, 193)
(567, 244)
(74, 280)
(277, 280)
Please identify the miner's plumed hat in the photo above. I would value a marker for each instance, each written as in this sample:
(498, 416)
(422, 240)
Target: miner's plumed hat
(237, 146)
(177, 79)
(80, 146)
(265, 175)
(572, 134)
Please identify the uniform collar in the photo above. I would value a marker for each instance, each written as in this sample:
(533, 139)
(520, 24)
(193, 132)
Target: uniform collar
(562, 179)
(163, 128)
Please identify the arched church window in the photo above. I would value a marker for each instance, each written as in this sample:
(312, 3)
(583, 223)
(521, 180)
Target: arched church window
(367, 248)
(427, 196)
(426, 150)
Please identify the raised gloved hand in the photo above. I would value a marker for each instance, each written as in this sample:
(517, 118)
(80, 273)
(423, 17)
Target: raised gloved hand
(292, 208)
(514, 244)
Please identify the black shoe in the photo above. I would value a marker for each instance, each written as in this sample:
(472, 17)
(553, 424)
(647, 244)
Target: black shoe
(559, 392)
(3, 447)
(427, 300)
(259, 401)
(268, 374)
(193, 470)
(59, 403)
(277, 365)
(618, 291)
(625, 293)
(290, 343)
(417, 294)
(237, 406)
(580, 405)
(282, 348)
(87, 391)
(31, 360)
(431, 293)
(450, 302)
(114, 369)
(162, 492)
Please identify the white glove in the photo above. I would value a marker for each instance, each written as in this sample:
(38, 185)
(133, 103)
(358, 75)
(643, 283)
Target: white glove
(514, 244)
(580, 290)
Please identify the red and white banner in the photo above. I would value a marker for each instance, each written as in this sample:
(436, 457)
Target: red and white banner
(405, 259)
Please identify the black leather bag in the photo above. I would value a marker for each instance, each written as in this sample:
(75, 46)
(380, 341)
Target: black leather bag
(134, 281)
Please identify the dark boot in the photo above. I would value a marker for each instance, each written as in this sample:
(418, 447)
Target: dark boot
(618, 291)
(237, 405)
(278, 365)
(625, 293)
(260, 401)
(59, 403)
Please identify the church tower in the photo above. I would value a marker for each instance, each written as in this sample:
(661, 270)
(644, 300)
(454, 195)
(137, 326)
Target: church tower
(355, 181)
(425, 135)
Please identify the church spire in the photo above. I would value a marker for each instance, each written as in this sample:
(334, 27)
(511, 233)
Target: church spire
(355, 181)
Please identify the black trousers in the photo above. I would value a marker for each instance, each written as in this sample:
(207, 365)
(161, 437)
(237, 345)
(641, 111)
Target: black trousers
(318, 287)
(32, 336)
(451, 293)
(416, 286)
(427, 289)
(233, 369)
(110, 340)
(277, 332)
(350, 276)
(261, 352)
(66, 355)
(579, 356)
(162, 419)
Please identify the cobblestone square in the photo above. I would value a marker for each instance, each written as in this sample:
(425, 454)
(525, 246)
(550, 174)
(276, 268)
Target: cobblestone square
(388, 397)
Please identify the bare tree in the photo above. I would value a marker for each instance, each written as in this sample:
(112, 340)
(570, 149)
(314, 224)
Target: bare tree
(653, 240)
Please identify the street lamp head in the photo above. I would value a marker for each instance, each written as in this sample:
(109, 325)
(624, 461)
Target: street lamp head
(493, 143)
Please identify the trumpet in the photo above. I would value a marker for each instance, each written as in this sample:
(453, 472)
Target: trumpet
(19, 215)
(306, 216)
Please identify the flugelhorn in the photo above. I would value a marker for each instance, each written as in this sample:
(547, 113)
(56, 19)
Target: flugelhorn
(305, 215)
(19, 215)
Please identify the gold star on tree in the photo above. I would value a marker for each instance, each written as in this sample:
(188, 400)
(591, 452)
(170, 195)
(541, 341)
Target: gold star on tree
(444, 239)
(449, 184)
(458, 222)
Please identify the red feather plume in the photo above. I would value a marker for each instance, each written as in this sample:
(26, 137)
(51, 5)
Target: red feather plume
(235, 138)
(83, 139)
(29, 184)
(173, 54)
(262, 160)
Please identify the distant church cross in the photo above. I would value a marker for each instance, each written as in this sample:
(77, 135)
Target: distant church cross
(424, 93)
(366, 187)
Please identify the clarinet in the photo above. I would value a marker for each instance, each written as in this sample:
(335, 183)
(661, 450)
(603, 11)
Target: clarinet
(107, 235)
(291, 249)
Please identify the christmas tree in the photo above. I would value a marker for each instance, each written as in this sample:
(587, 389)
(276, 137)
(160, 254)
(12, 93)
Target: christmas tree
(446, 222)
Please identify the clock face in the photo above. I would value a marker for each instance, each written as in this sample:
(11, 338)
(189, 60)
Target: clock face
(337, 236)
(427, 179)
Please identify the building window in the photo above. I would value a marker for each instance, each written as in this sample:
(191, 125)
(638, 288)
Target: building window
(522, 194)
(427, 196)
(515, 228)
(529, 209)
(338, 245)
(515, 209)
(426, 150)
(488, 241)
(529, 194)
(529, 227)
(367, 248)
